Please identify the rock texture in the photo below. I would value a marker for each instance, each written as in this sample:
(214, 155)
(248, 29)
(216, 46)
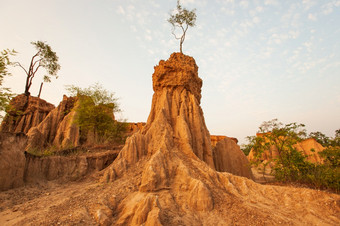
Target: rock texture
(228, 157)
(18, 167)
(24, 113)
(57, 128)
(306, 146)
(12, 160)
(165, 176)
(176, 118)
(63, 169)
(134, 127)
(172, 152)
(215, 139)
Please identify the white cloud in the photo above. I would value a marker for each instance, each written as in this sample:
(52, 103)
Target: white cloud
(228, 11)
(270, 2)
(308, 4)
(308, 46)
(312, 17)
(120, 10)
(259, 9)
(328, 8)
(244, 4)
(293, 34)
(278, 38)
(256, 20)
(185, 2)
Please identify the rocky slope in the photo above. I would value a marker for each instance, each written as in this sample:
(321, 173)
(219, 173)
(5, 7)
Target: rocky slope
(57, 128)
(25, 112)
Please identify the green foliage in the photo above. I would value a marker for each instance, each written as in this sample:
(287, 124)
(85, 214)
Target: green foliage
(320, 138)
(183, 19)
(326, 141)
(331, 156)
(5, 93)
(44, 58)
(246, 148)
(95, 114)
(291, 164)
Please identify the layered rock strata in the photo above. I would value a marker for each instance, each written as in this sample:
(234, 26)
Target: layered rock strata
(24, 113)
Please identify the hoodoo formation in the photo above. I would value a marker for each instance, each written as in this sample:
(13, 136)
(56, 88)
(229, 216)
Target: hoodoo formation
(169, 166)
(168, 173)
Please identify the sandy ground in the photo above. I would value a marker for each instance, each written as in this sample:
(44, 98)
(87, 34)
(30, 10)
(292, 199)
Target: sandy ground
(72, 203)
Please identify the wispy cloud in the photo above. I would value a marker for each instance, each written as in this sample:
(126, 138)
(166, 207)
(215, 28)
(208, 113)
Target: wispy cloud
(312, 17)
(271, 2)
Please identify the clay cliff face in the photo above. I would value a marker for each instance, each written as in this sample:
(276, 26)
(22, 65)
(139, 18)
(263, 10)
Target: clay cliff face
(228, 157)
(57, 128)
(25, 112)
(12, 159)
(18, 167)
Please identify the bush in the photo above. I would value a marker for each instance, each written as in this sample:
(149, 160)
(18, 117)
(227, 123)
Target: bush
(290, 165)
(95, 114)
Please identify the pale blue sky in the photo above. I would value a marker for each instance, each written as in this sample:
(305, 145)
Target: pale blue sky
(259, 59)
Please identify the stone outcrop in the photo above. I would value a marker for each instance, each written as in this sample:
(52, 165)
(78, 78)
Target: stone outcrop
(57, 128)
(24, 113)
(176, 118)
(133, 127)
(216, 138)
(62, 168)
(172, 153)
(311, 148)
(228, 157)
(18, 167)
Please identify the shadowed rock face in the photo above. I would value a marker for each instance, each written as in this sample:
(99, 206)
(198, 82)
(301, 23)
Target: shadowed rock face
(25, 112)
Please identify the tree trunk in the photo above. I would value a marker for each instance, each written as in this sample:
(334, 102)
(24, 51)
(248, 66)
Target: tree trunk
(26, 87)
(41, 85)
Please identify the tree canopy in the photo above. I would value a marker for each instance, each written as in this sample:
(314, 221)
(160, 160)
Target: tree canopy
(45, 58)
(291, 164)
(95, 113)
(183, 19)
(5, 93)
